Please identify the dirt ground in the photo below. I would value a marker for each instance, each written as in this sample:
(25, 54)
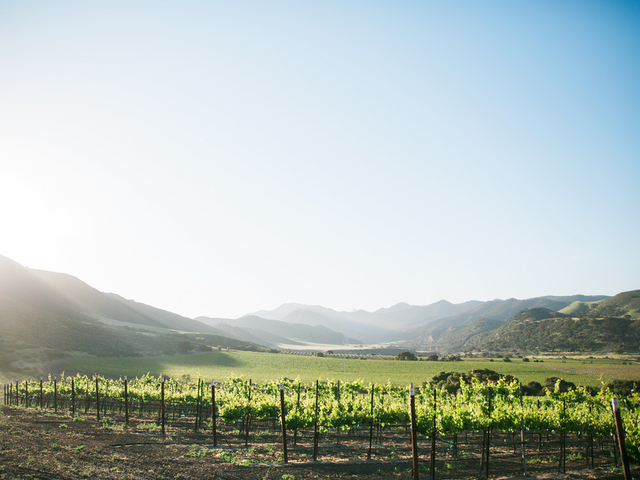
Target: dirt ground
(37, 445)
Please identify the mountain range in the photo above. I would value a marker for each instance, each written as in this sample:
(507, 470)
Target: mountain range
(46, 315)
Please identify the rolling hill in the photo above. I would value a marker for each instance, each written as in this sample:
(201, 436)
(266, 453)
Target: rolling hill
(45, 316)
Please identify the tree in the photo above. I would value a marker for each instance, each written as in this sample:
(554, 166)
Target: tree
(433, 357)
(565, 386)
(406, 356)
(184, 346)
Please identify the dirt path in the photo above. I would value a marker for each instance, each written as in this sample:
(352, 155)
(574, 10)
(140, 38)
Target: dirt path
(41, 445)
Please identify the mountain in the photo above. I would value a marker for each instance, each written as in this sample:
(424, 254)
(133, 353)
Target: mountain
(497, 310)
(383, 325)
(585, 325)
(274, 332)
(403, 316)
(45, 316)
(540, 329)
(88, 300)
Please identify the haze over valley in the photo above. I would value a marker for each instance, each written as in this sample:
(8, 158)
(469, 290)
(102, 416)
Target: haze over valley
(47, 316)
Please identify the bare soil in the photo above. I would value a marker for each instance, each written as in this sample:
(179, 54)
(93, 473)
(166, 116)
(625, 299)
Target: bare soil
(45, 445)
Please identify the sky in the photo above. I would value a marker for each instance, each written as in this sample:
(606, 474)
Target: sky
(218, 158)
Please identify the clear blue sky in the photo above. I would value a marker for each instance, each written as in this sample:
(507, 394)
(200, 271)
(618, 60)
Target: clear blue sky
(217, 158)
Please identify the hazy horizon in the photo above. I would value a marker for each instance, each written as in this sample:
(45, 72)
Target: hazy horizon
(215, 159)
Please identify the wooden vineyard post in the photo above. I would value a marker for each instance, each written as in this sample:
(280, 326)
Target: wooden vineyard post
(315, 428)
(126, 402)
(26, 393)
(41, 397)
(432, 469)
(591, 440)
(524, 453)
(486, 441)
(86, 398)
(338, 428)
(563, 466)
(162, 403)
(73, 397)
(213, 412)
(97, 400)
(414, 435)
(371, 426)
(295, 430)
(55, 394)
(247, 418)
(202, 414)
(284, 421)
(195, 427)
(621, 442)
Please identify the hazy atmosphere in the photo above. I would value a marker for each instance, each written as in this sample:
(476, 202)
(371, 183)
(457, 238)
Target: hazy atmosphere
(217, 158)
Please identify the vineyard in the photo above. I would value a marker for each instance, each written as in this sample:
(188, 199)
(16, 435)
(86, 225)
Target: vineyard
(481, 427)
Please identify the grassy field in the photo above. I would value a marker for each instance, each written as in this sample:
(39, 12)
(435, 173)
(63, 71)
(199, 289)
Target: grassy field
(266, 366)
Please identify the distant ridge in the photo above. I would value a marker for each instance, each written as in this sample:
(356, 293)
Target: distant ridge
(45, 314)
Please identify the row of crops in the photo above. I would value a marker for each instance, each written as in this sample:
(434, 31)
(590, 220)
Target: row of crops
(332, 405)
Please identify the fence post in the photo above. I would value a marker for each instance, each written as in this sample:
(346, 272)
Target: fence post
(338, 428)
(524, 453)
(284, 421)
(433, 438)
(195, 427)
(563, 466)
(315, 428)
(371, 427)
(162, 403)
(414, 435)
(247, 418)
(126, 402)
(97, 400)
(620, 430)
(213, 412)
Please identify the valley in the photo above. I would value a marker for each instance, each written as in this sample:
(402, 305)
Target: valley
(47, 317)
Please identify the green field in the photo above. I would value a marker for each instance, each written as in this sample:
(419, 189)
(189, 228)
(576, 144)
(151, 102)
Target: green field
(268, 366)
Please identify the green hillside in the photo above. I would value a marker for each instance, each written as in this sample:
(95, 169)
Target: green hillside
(527, 332)
(626, 303)
(578, 309)
(46, 316)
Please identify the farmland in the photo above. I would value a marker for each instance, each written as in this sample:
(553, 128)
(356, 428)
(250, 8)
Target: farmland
(265, 366)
